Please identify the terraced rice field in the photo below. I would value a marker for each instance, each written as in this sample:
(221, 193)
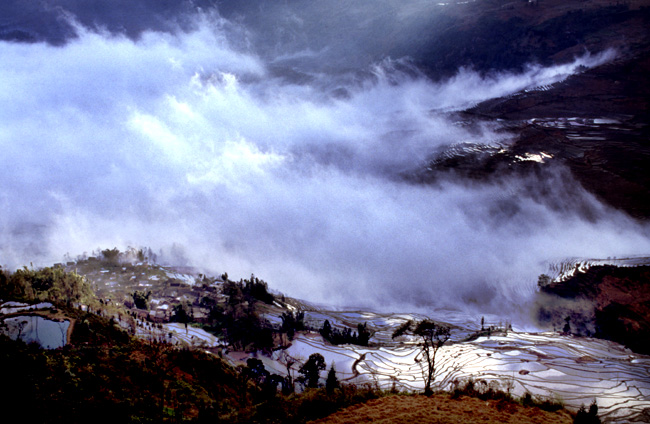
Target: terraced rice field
(569, 369)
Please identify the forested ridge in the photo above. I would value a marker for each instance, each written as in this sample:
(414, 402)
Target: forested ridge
(105, 374)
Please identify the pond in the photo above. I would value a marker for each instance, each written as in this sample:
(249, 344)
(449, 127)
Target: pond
(33, 328)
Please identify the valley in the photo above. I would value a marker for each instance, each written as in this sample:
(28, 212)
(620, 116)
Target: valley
(449, 198)
(549, 365)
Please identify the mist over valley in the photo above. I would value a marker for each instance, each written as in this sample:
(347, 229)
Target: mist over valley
(380, 164)
(238, 145)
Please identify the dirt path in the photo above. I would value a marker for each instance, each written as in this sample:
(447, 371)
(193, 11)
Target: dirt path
(355, 371)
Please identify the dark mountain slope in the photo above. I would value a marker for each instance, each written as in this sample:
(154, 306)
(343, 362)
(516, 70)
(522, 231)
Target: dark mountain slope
(605, 301)
(594, 123)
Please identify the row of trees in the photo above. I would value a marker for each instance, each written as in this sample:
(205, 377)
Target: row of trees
(346, 336)
(251, 290)
(114, 257)
(310, 375)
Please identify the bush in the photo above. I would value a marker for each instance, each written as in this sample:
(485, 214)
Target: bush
(584, 417)
(496, 390)
(482, 389)
(47, 284)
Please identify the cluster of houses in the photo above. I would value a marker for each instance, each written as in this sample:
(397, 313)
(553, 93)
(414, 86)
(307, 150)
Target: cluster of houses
(165, 288)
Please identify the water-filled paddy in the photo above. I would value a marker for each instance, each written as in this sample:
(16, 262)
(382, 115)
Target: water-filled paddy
(33, 328)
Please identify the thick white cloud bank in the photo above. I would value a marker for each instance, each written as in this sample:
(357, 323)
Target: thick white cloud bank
(184, 139)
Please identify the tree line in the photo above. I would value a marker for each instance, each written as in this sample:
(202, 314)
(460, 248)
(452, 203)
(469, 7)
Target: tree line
(335, 336)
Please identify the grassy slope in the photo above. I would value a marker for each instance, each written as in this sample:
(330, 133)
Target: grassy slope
(442, 408)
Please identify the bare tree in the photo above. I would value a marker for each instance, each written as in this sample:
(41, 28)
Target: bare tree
(18, 326)
(288, 385)
(432, 337)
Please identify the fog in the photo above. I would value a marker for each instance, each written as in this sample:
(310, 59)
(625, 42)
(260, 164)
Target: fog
(192, 138)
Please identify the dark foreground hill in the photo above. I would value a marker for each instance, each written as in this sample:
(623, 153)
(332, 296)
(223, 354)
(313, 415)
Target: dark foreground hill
(104, 374)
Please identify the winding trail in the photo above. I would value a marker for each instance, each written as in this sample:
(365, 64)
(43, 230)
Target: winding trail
(355, 371)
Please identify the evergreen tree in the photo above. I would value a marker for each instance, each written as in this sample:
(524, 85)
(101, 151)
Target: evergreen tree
(332, 381)
(364, 335)
(292, 322)
(326, 331)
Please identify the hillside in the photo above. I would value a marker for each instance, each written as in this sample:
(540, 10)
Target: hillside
(496, 35)
(260, 348)
(396, 173)
(103, 373)
(443, 409)
(594, 123)
(117, 380)
(605, 301)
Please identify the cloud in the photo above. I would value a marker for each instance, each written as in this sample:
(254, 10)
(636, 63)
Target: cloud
(187, 139)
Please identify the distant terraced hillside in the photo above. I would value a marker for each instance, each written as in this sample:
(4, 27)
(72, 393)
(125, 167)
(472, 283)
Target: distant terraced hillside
(605, 301)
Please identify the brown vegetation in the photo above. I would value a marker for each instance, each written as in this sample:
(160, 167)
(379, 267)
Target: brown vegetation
(441, 408)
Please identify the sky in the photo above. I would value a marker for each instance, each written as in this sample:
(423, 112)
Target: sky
(193, 137)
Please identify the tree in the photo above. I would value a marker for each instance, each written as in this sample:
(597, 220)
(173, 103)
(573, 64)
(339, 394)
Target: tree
(288, 324)
(183, 313)
(141, 299)
(292, 322)
(234, 292)
(432, 337)
(332, 381)
(584, 417)
(270, 385)
(543, 280)
(312, 368)
(256, 370)
(364, 334)
(326, 331)
(287, 384)
(567, 327)
(111, 256)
